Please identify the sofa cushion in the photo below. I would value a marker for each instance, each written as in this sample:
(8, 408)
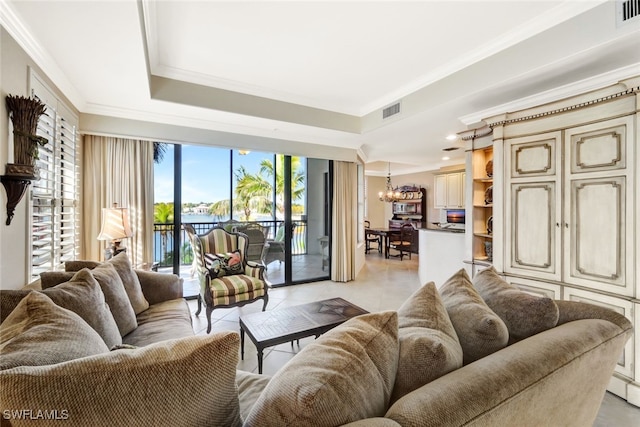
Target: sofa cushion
(162, 321)
(183, 382)
(345, 375)
(49, 279)
(83, 296)
(40, 332)
(524, 314)
(429, 346)
(250, 388)
(125, 271)
(480, 331)
(112, 288)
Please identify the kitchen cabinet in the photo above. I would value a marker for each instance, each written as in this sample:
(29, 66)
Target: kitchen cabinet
(449, 190)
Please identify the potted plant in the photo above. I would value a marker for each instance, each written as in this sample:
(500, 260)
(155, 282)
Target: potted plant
(25, 114)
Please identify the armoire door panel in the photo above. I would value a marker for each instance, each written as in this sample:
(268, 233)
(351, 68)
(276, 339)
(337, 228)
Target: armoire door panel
(535, 158)
(534, 222)
(599, 150)
(597, 230)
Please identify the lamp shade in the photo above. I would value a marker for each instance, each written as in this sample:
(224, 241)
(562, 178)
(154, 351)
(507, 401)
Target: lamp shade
(115, 223)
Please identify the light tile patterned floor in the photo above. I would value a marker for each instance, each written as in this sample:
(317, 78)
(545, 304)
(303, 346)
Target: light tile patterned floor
(381, 285)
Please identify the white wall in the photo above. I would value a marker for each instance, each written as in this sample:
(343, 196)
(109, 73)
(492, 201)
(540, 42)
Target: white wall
(14, 238)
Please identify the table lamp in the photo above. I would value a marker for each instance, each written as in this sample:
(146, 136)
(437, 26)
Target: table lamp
(115, 227)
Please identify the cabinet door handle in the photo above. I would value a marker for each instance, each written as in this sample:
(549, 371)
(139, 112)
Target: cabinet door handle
(566, 225)
(557, 224)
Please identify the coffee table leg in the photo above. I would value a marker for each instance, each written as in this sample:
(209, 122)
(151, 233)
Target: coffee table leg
(259, 360)
(241, 343)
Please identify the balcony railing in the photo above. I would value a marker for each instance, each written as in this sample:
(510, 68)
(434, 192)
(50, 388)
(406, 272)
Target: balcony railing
(163, 236)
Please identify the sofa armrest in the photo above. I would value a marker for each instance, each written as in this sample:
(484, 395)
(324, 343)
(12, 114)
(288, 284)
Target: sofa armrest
(575, 310)
(159, 287)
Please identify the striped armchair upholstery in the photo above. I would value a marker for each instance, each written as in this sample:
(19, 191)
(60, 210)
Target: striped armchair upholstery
(227, 291)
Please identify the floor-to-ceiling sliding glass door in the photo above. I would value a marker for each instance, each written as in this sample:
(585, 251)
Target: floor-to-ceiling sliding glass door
(311, 220)
(287, 196)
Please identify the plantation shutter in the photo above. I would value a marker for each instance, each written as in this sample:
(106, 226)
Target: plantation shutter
(54, 214)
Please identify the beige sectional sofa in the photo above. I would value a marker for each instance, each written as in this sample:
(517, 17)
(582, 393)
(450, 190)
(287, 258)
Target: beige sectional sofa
(467, 352)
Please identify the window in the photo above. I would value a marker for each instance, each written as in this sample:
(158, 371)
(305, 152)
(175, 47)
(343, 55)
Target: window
(55, 225)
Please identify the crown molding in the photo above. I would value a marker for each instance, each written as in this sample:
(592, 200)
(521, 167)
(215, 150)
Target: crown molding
(21, 34)
(556, 94)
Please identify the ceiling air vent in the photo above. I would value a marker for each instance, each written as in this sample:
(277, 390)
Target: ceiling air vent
(451, 149)
(391, 110)
(627, 10)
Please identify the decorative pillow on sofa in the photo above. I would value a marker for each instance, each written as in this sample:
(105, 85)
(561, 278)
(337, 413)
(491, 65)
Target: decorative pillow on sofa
(480, 331)
(524, 314)
(112, 288)
(39, 332)
(125, 271)
(345, 375)
(83, 296)
(429, 346)
(227, 264)
(182, 382)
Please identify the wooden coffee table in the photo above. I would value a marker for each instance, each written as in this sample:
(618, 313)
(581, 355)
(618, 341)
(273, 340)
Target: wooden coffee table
(269, 328)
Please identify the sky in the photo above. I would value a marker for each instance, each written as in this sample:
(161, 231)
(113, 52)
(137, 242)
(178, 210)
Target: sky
(205, 173)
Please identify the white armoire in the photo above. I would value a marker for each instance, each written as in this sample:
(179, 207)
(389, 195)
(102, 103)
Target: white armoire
(566, 194)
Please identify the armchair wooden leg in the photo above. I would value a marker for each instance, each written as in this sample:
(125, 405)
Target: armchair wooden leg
(266, 300)
(209, 310)
(199, 305)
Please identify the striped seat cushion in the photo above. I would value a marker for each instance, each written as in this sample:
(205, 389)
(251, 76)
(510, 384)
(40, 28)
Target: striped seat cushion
(234, 285)
(235, 299)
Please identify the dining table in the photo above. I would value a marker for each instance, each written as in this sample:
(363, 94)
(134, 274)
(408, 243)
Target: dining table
(384, 233)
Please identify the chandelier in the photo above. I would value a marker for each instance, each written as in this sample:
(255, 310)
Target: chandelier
(390, 194)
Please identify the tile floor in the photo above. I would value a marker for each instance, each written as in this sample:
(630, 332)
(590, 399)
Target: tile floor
(381, 285)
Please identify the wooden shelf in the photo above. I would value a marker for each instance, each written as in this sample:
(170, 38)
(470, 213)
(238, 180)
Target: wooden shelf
(484, 206)
(482, 261)
(485, 235)
(483, 179)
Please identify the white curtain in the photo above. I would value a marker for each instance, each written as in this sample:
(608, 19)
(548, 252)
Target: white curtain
(118, 170)
(345, 217)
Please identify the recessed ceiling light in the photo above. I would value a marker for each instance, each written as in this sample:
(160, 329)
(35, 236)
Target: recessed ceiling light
(452, 137)
(445, 158)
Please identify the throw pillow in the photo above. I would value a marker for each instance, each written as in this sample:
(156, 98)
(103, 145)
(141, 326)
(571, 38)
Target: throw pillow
(227, 264)
(182, 382)
(116, 296)
(480, 331)
(429, 346)
(524, 314)
(83, 296)
(125, 271)
(112, 287)
(39, 332)
(345, 375)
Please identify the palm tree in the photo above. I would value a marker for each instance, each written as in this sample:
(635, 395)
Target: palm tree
(297, 179)
(254, 192)
(163, 214)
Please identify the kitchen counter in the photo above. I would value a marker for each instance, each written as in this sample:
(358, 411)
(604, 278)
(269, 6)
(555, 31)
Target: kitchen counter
(433, 227)
(441, 254)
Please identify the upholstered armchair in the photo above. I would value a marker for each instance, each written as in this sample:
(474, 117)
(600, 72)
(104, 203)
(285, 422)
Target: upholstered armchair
(226, 278)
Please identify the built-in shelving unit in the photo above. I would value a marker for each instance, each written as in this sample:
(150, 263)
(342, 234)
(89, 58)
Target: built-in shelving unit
(482, 204)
